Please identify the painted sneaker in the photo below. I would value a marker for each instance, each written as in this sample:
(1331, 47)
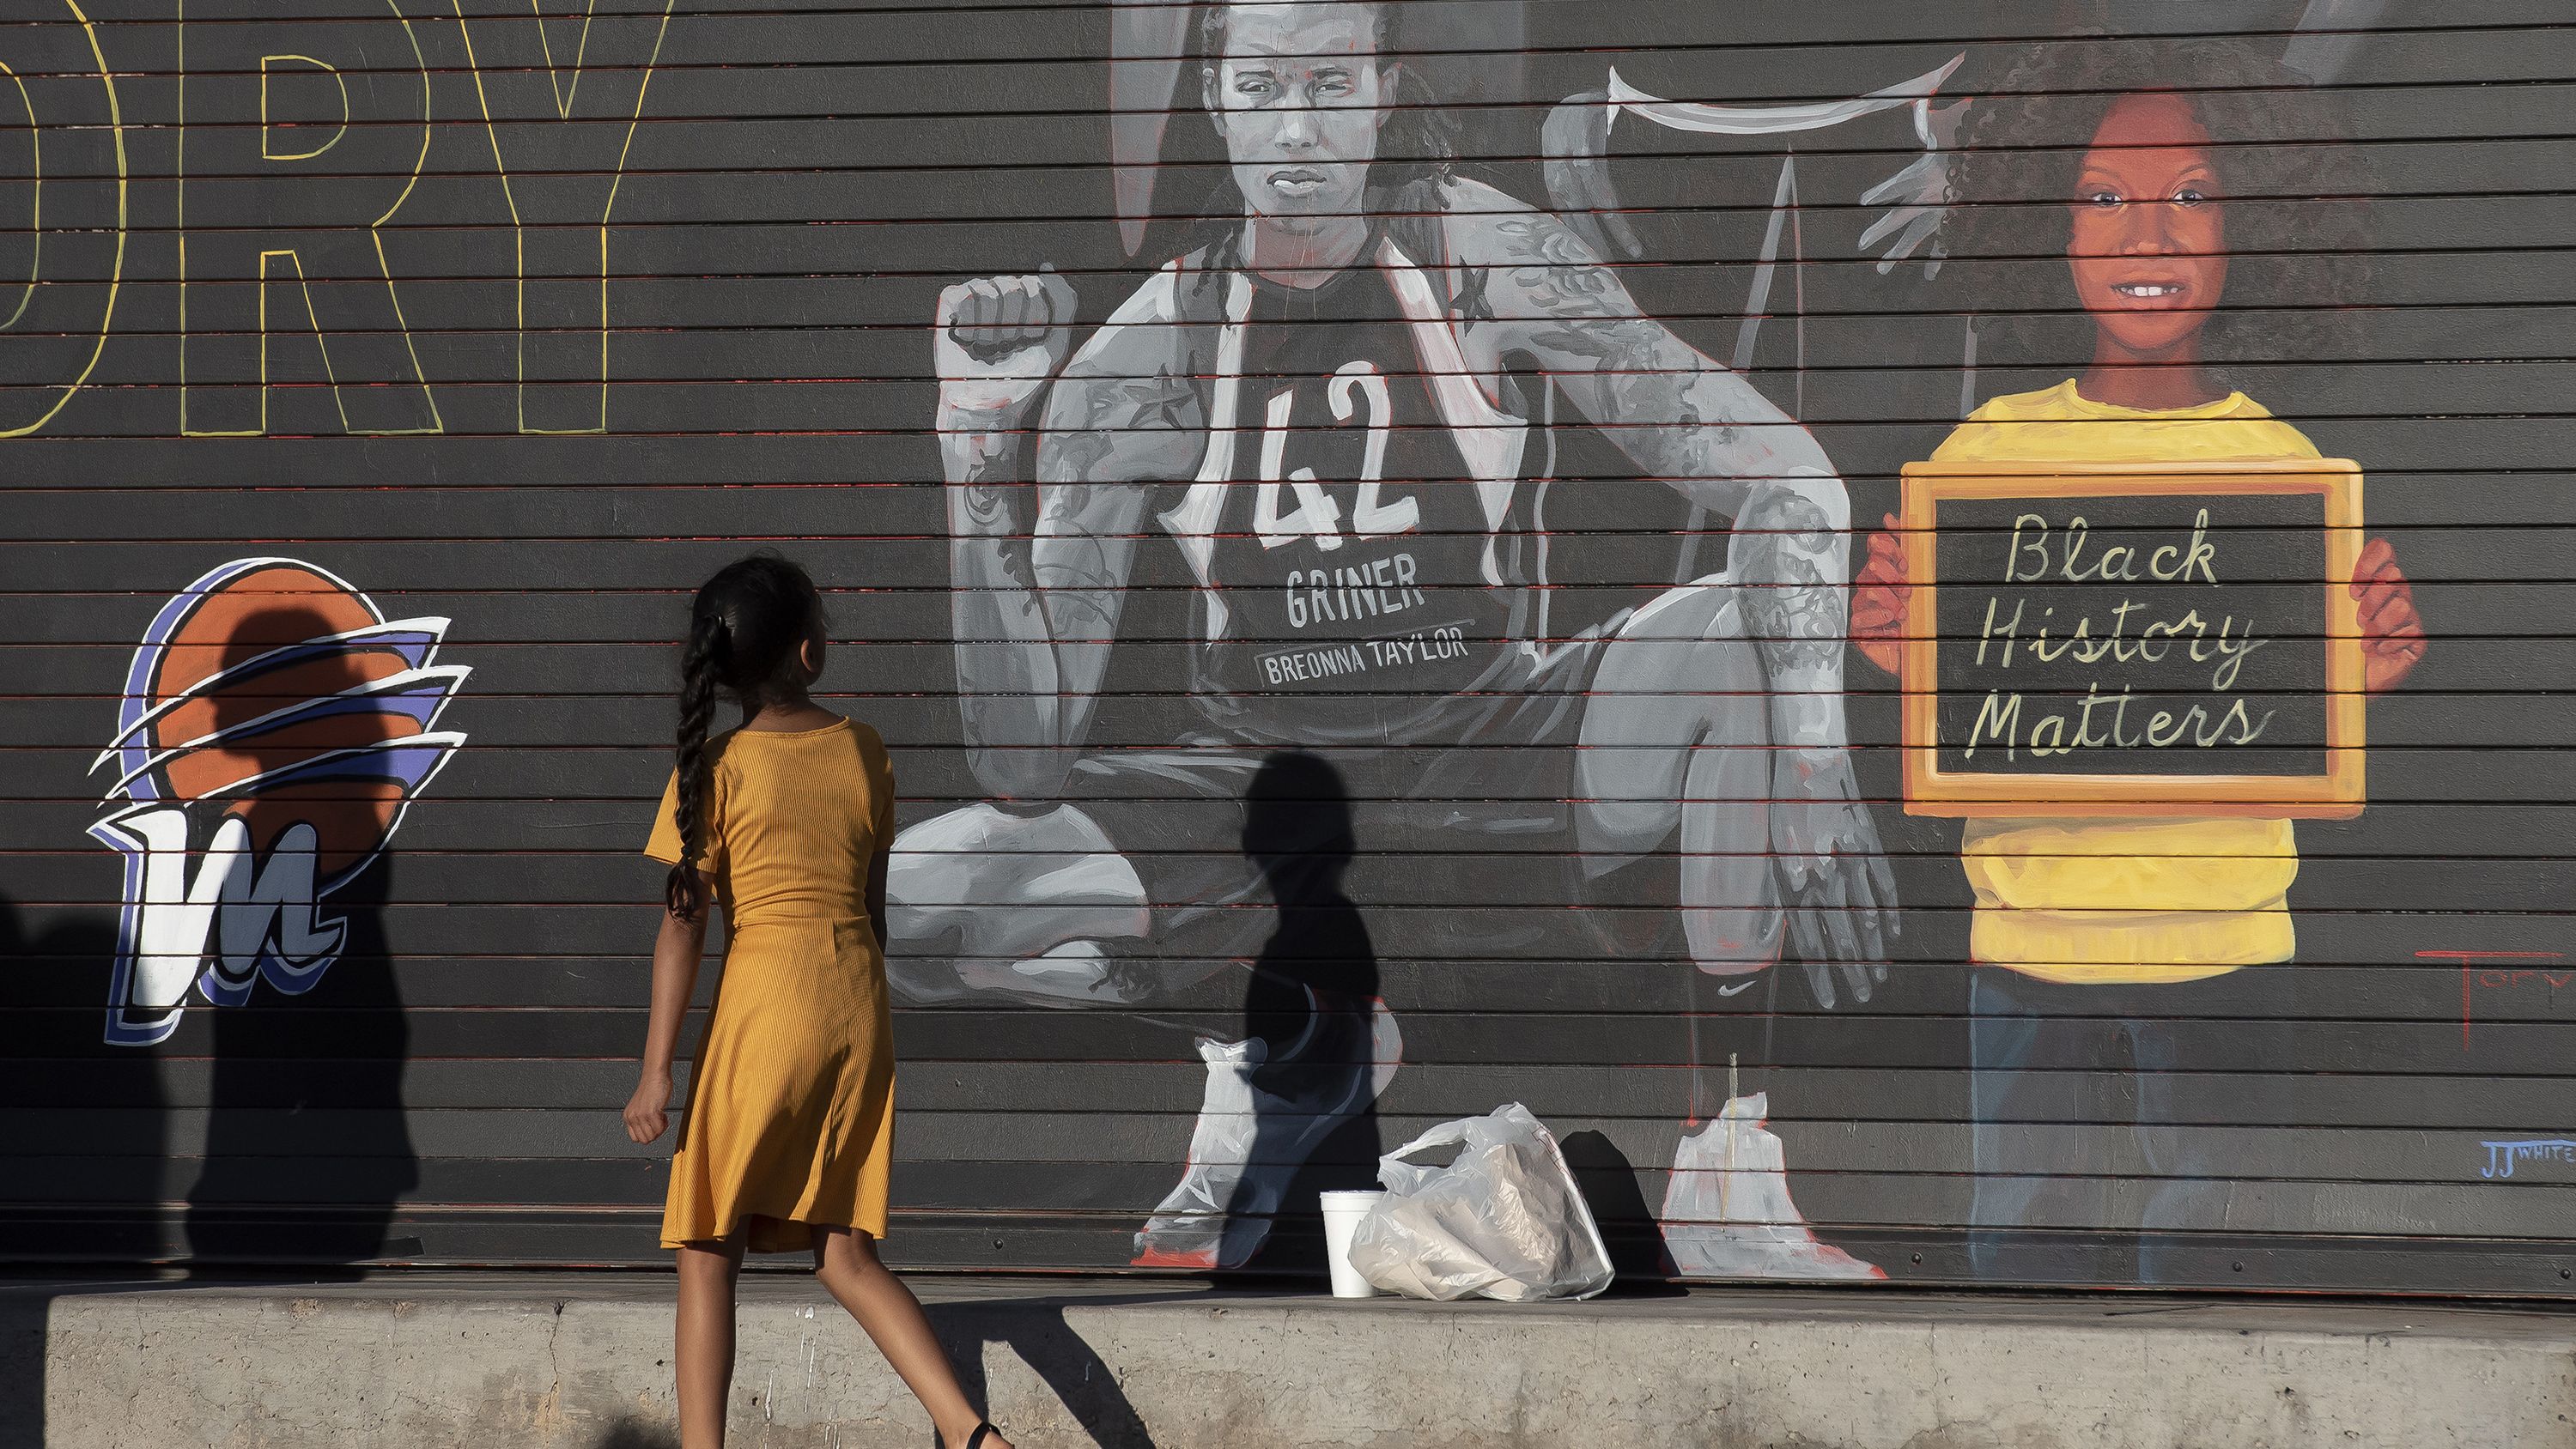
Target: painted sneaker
(1727, 1212)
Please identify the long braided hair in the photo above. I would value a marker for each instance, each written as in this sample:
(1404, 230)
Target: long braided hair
(744, 627)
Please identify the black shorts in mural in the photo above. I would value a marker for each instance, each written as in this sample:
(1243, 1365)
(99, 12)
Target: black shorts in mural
(1494, 775)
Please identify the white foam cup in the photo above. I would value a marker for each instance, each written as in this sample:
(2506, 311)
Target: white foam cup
(1342, 1213)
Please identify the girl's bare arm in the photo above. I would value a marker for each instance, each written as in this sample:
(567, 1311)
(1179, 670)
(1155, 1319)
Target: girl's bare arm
(677, 950)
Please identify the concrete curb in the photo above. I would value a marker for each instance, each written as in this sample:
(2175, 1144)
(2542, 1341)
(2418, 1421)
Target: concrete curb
(580, 1362)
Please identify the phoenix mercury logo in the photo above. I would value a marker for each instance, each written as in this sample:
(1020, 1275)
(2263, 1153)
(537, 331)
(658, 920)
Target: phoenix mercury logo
(275, 727)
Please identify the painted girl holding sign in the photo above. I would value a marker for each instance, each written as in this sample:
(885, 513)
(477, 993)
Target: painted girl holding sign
(2097, 925)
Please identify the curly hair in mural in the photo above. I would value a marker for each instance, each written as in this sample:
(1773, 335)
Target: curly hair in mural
(2293, 188)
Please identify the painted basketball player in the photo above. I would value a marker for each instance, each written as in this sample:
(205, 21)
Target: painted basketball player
(1319, 410)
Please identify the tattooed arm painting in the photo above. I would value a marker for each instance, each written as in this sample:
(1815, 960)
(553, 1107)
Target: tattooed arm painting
(1036, 576)
(1703, 430)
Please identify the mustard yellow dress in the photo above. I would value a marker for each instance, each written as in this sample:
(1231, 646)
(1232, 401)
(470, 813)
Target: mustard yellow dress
(790, 1115)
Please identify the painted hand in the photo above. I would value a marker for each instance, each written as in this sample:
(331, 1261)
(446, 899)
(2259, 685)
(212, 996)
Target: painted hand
(1879, 599)
(648, 1111)
(1918, 197)
(1834, 880)
(2392, 634)
(997, 340)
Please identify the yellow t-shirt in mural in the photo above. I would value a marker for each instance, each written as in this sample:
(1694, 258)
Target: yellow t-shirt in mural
(2103, 901)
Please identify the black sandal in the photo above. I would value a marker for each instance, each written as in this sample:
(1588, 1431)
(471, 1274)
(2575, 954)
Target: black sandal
(981, 1432)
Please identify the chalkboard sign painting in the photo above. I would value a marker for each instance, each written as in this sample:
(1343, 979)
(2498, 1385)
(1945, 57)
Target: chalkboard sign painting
(2143, 639)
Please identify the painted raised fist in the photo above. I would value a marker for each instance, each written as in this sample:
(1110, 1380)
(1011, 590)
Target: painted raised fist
(998, 339)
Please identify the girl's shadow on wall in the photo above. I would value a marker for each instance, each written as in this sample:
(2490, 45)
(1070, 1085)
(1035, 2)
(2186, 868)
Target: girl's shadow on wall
(308, 1148)
(1314, 1001)
(308, 1152)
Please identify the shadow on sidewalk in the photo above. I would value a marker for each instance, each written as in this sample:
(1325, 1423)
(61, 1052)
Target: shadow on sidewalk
(1038, 1333)
(634, 1433)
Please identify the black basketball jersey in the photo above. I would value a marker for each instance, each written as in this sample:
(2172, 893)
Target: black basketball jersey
(1353, 527)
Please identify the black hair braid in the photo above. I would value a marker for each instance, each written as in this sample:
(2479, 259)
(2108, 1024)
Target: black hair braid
(702, 658)
(744, 629)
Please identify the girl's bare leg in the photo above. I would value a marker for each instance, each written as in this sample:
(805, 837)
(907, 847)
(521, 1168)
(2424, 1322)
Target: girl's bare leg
(846, 1261)
(703, 1340)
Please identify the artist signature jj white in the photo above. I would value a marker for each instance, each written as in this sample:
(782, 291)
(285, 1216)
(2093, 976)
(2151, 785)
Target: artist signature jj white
(2501, 1156)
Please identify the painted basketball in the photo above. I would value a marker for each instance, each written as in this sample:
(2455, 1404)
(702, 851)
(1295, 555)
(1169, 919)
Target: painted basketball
(250, 683)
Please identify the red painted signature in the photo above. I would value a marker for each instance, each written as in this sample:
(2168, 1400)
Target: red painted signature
(2472, 975)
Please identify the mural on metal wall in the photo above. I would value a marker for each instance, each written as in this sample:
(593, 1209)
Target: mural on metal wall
(1337, 409)
(1341, 407)
(275, 727)
(1409, 472)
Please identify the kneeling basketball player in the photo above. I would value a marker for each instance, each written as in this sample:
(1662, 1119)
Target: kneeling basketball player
(1322, 409)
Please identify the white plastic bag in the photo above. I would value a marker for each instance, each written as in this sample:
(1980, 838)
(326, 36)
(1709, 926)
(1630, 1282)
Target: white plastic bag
(1503, 1220)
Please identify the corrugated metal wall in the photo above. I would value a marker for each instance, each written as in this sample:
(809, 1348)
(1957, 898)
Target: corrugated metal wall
(495, 332)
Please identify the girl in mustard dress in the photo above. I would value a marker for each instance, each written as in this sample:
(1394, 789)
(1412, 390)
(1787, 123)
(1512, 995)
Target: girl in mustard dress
(785, 823)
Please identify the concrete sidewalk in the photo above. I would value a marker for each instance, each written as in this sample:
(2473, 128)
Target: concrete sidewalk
(580, 1361)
